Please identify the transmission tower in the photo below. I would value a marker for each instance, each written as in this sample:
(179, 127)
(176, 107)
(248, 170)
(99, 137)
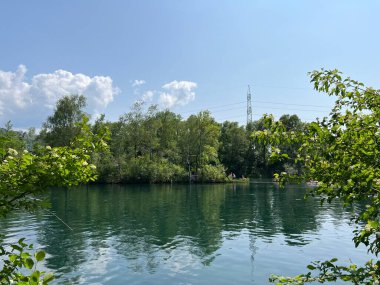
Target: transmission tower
(249, 106)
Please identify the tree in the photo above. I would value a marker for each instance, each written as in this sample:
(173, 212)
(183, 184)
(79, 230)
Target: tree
(199, 147)
(261, 143)
(291, 123)
(342, 153)
(61, 127)
(10, 139)
(25, 175)
(167, 134)
(108, 162)
(144, 148)
(233, 148)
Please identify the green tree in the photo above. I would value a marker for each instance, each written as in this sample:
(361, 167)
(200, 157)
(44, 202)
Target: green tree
(133, 131)
(250, 156)
(291, 123)
(24, 176)
(169, 125)
(199, 147)
(233, 148)
(10, 139)
(144, 147)
(342, 153)
(260, 148)
(61, 127)
(109, 162)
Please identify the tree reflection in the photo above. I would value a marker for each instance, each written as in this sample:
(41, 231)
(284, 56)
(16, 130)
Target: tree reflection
(153, 226)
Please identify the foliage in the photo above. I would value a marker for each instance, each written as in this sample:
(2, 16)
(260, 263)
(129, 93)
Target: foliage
(151, 146)
(233, 148)
(61, 127)
(199, 145)
(206, 150)
(341, 152)
(143, 169)
(10, 139)
(266, 139)
(25, 175)
(213, 173)
(328, 271)
(17, 256)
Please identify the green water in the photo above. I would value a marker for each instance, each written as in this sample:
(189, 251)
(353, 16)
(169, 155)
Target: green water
(203, 234)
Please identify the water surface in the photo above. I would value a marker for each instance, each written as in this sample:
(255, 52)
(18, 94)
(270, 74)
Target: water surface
(181, 234)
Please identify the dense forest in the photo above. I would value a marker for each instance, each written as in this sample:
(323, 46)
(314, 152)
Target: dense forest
(149, 145)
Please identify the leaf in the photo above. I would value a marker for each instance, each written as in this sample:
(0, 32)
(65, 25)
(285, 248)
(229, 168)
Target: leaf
(311, 267)
(16, 247)
(40, 255)
(36, 276)
(47, 278)
(21, 242)
(29, 263)
(13, 257)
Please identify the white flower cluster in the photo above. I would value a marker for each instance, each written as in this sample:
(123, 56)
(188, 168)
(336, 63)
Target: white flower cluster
(12, 151)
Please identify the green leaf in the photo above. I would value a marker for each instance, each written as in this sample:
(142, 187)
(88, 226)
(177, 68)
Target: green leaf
(36, 276)
(21, 242)
(40, 255)
(47, 278)
(29, 263)
(13, 257)
(16, 247)
(311, 267)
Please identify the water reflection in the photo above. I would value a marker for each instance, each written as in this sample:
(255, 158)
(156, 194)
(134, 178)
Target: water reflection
(172, 229)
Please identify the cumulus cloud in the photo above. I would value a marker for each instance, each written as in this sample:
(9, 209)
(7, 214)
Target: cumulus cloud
(177, 93)
(14, 92)
(148, 96)
(137, 83)
(37, 98)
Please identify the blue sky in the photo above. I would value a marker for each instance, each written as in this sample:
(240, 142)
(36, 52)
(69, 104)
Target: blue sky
(185, 55)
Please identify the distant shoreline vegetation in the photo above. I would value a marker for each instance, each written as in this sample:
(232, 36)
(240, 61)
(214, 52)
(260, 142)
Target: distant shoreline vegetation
(244, 180)
(336, 155)
(147, 145)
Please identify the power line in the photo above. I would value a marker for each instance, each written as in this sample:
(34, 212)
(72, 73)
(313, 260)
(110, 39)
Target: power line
(214, 107)
(257, 115)
(259, 101)
(258, 107)
(237, 88)
(290, 104)
(289, 109)
(283, 87)
(229, 109)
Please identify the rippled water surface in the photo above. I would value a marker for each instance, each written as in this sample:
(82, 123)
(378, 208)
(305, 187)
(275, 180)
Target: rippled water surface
(203, 234)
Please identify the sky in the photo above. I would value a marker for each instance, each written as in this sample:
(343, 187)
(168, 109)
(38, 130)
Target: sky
(187, 56)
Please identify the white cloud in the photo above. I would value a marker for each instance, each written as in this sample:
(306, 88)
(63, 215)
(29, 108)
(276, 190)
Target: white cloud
(14, 93)
(177, 93)
(148, 96)
(137, 82)
(36, 99)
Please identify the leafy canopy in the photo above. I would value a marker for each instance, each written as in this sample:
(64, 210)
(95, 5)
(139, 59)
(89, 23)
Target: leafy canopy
(341, 152)
(24, 176)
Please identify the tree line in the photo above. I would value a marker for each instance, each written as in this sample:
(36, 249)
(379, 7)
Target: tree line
(149, 145)
(341, 152)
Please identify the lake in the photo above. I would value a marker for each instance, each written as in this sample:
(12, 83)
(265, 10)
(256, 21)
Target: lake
(182, 234)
